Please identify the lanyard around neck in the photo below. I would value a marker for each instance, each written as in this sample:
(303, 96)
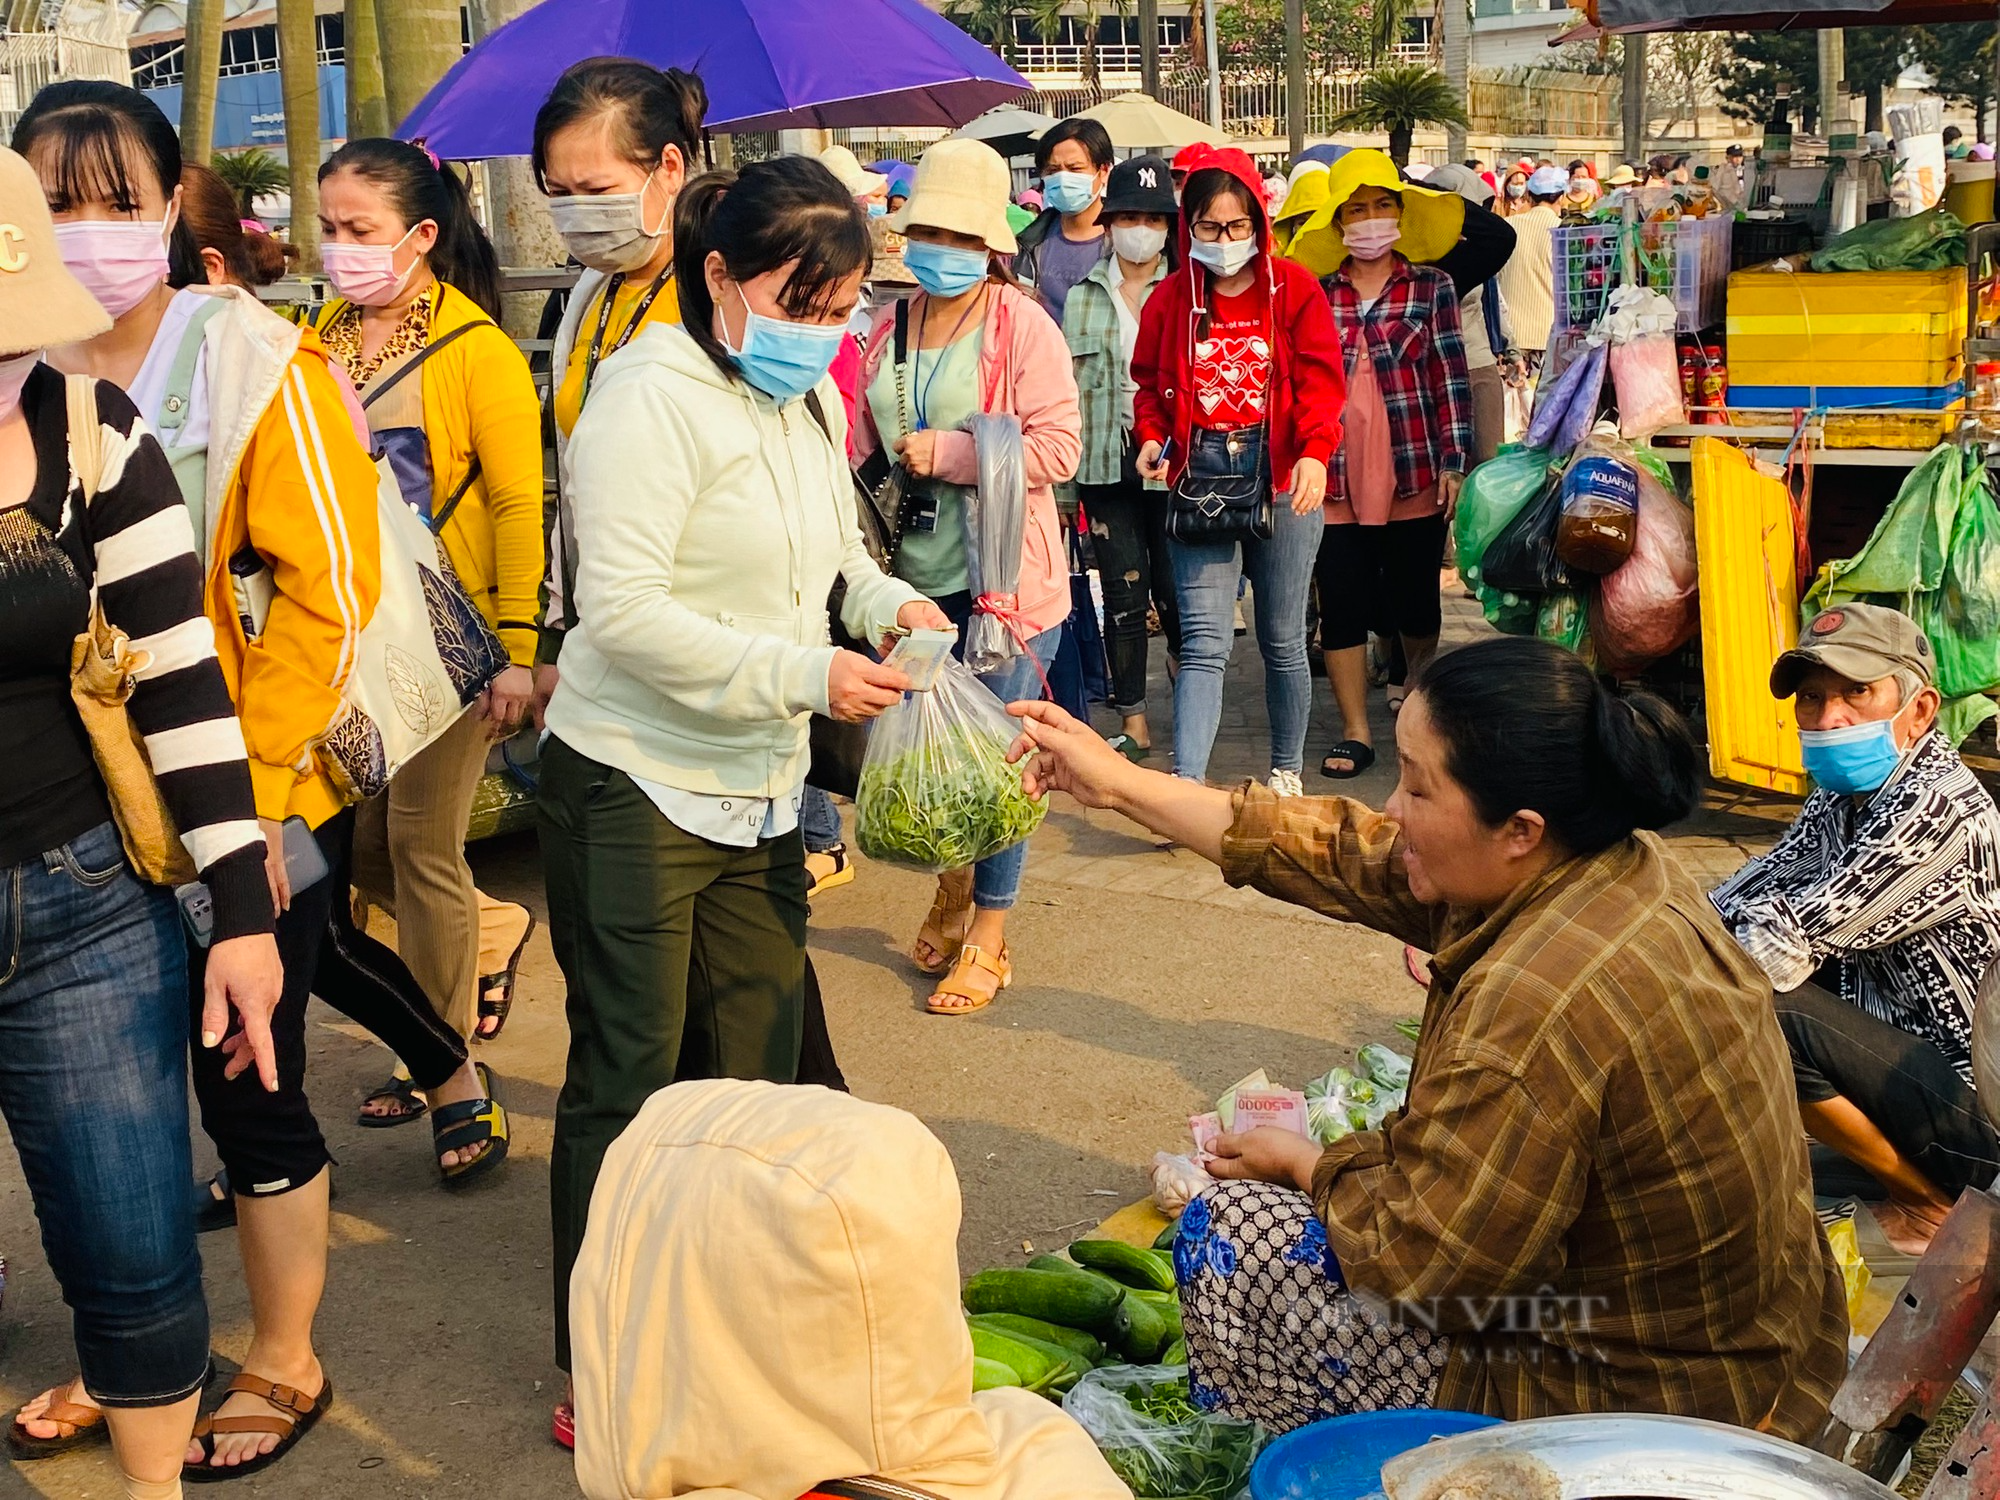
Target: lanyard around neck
(611, 291)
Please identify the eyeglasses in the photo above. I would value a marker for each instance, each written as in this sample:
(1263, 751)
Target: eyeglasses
(1208, 231)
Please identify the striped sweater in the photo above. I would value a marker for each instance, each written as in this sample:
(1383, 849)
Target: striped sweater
(133, 541)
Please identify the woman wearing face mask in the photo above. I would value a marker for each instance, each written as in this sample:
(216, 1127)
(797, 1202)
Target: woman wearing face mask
(1067, 239)
(713, 510)
(1514, 193)
(1238, 372)
(449, 399)
(1128, 522)
(972, 342)
(282, 493)
(94, 1004)
(1409, 440)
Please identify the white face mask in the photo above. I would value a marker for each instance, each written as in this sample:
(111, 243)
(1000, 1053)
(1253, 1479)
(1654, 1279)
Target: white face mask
(608, 231)
(1224, 257)
(1138, 243)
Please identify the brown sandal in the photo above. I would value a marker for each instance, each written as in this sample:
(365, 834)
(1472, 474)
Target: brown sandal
(955, 983)
(294, 1418)
(950, 920)
(85, 1423)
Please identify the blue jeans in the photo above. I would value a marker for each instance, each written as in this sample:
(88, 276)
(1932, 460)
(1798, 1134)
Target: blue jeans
(819, 822)
(996, 882)
(93, 1083)
(1205, 578)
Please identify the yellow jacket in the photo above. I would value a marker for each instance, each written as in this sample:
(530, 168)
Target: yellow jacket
(479, 401)
(287, 479)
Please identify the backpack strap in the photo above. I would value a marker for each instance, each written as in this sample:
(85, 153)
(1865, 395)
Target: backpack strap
(872, 1489)
(86, 435)
(402, 371)
(190, 465)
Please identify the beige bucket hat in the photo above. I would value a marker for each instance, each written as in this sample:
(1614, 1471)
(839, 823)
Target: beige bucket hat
(42, 306)
(961, 186)
(845, 165)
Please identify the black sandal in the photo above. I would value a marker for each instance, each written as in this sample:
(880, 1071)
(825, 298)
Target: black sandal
(214, 1204)
(467, 1123)
(294, 1418)
(496, 991)
(403, 1092)
(1360, 757)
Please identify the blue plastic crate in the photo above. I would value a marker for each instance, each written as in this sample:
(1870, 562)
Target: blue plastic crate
(1842, 397)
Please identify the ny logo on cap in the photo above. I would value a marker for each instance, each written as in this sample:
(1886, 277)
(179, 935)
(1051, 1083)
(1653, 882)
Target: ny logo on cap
(13, 248)
(1148, 177)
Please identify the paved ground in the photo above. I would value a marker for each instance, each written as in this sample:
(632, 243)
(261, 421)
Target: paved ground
(1145, 987)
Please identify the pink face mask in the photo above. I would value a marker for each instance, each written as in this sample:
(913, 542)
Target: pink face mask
(1371, 239)
(118, 261)
(366, 274)
(14, 375)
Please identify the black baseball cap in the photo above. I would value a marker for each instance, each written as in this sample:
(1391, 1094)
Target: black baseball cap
(1140, 185)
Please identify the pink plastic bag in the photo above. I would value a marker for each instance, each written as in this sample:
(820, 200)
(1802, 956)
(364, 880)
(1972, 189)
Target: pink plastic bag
(1646, 608)
(1647, 379)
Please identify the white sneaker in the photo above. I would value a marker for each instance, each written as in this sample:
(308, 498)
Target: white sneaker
(1286, 784)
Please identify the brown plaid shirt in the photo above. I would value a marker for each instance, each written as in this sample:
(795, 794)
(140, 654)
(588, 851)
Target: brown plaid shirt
(1599, 1188)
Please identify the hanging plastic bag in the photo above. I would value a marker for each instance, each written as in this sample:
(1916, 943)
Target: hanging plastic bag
(1649, 607)
(1494, 494)
(1565, 619)
(936, 791)
(1522, 558)
(1508, 613)
(1647, 380)
(1565, 410)
(996, 518)
(1962, 617)
(1149, 1430)
(1905, 554)
(1600, 505)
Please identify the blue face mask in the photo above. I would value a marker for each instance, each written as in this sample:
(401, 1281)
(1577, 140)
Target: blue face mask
(1069, 192)
(944, 270)
(878, 210)
(1855, 759)
(782, 359)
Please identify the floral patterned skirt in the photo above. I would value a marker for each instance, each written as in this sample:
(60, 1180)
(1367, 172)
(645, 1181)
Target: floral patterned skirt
(1273, 1334)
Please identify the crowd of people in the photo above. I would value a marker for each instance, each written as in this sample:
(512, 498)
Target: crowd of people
(763, 393)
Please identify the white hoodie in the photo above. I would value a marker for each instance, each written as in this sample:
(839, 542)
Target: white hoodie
(710, 525)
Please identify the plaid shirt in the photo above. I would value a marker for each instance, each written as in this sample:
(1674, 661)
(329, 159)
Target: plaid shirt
(1900, 890)
(1090, 325)
(1599, 1187)
(1417, 344)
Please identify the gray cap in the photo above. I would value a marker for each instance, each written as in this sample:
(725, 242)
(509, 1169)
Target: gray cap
(1862, 642)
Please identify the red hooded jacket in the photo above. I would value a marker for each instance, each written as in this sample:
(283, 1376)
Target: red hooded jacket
(1308, 384)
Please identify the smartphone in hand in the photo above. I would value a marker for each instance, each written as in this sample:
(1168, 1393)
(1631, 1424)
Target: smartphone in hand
(305, 865)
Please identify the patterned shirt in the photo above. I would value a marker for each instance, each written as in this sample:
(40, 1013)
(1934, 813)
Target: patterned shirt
(342, 337)
(1413, 337)
(1599, 1186)
(1901, 891)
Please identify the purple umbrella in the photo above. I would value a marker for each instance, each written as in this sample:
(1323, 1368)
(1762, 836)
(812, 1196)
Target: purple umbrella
(767, 64)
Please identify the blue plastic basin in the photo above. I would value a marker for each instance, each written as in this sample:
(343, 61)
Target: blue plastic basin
(1342, 1457)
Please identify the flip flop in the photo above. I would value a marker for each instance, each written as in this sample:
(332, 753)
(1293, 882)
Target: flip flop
(403, 1091)
(1130, 748)
(294, 1418)
(86, 1427)
(1362, 757)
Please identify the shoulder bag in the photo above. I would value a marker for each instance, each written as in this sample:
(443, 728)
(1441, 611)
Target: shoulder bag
(1224, 490)
(407, 450)
(103, 665)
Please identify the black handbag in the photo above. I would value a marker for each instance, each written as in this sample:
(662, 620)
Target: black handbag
(1224, 490)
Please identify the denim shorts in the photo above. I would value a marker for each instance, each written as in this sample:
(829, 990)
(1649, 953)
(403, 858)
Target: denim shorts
(93, 1083)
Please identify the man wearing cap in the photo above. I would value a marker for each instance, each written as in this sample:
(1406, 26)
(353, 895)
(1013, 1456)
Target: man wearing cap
(1527, 281)
(1733, 158)
(1876, 916)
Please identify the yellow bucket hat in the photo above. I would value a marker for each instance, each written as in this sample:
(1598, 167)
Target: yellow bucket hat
(1307, 197)
(1432, 221)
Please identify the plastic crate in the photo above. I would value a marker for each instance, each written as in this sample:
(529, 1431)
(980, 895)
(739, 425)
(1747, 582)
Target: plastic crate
(1687, 259)
(1758, 241)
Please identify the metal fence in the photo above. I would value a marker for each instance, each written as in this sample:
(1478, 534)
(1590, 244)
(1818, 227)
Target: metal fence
(31, 60)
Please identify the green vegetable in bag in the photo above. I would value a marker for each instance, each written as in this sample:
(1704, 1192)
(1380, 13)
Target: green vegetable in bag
(1494, 494)
(1930, 241)
(1962, 617)
(1157, 1440)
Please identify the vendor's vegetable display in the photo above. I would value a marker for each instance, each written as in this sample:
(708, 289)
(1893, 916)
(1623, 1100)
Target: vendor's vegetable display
(936, 790)
(1157, 1440)
(1065, 1297)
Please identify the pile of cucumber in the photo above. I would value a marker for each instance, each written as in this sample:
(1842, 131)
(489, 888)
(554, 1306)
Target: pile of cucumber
(1045, 1326)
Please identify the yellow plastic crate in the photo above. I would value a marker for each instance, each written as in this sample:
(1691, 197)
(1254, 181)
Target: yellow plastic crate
(1846, 328)
(1927, 373)
(1749, 617)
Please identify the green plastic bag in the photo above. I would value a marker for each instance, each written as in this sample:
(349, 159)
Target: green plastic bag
(1928, 241)
(1648, 458)
(1905, 554)
(1962, 617)
(1565, 619)
(1495, 492)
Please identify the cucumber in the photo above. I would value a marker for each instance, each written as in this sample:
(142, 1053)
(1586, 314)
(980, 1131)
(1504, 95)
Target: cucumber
(991, 1375)
(1147, 1335)
(1073, 1365)
(1066, 1297)
(1128, 1264)
(1176, 1353)
(1168, 1306)
(1037, 1368)
(1075, 1340)
(1053, 1263)
(1168, 1236)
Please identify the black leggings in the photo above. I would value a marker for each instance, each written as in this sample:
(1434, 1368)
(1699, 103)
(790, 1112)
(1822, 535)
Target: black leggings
(270, 1143)
(1128, 531)
(1379, 578)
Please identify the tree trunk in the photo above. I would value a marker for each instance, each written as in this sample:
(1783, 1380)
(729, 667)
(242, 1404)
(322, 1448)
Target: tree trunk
(1457, 28)
(1149, 49)
(367, 105)
(202, 62)
(1874, 120)
(1400, 137)
(298, 69)
(524, 236)
(1635, 98)
(1295, 75)
(420, 40)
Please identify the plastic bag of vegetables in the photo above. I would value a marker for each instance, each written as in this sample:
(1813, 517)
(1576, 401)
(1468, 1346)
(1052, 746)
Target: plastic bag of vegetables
(936, 791)
(1157, 1440)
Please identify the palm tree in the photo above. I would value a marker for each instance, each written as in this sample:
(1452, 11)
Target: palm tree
(200, 69)
(251, 175)
(298, 81)
(1399, 98)
(1385, 26)
(367, 104)
(420, 40)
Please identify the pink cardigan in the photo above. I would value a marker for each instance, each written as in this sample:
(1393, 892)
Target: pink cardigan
(1024, 370)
